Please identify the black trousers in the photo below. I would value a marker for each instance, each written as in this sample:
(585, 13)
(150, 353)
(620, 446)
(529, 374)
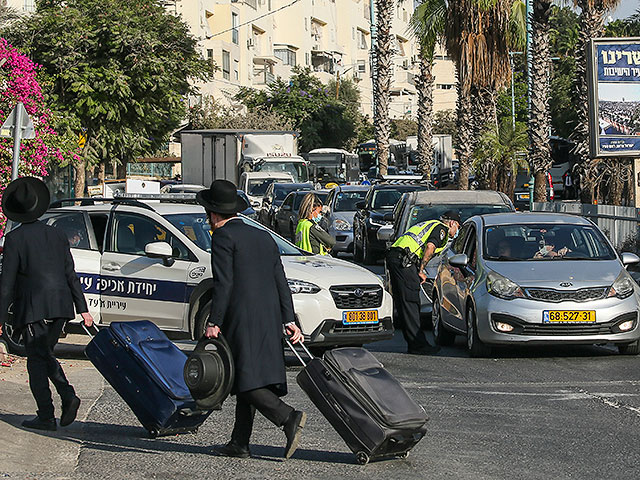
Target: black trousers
(405, 286)
(39, 340)
(267, 403)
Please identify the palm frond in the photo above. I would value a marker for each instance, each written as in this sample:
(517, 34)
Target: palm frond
(517, 33)
(427, 24)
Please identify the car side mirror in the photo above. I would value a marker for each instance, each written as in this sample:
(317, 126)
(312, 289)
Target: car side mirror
(361, 205)
(388, 217)
(629, 258)
(460, 260)
(160, 250)
(385, 233)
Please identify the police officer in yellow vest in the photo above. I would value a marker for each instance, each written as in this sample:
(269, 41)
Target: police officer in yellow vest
(310, 236)
(406, 261)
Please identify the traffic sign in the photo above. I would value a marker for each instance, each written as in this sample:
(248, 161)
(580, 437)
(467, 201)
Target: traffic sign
(6, 131)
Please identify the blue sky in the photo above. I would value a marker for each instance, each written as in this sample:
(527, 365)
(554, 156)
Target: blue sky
(626, 8)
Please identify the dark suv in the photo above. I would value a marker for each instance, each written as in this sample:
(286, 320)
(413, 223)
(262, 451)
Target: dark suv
(370, 217)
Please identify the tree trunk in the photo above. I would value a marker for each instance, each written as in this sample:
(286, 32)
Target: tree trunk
(540, 187)
(539, 114)
(484, 116)
(80, 179)
(114, 168)
(424, 86)
(591, 26)
(102, 167)
(382, 81)
(121, 170)
(464, 136)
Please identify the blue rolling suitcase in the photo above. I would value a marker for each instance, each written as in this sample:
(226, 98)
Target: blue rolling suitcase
(146, 369)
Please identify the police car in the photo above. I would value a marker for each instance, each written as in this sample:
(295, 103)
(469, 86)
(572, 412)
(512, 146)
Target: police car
(142, 260)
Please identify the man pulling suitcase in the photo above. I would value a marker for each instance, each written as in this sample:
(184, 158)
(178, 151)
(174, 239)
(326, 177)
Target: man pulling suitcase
(250, 303)
(39, 279)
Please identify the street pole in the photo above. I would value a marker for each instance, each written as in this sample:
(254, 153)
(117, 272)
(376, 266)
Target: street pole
(17, 137)
(513, 96)
(374, 63)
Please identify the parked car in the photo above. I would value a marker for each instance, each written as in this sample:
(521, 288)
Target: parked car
(369, 217)
(535, 279)
(255, 184)
(137, 260)
(182, 188)
(418, 207)
(341, 204)
(286, 218)
(273, 198)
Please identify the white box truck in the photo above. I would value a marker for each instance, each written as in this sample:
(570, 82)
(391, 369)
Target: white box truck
(209, 155)
(442, 156)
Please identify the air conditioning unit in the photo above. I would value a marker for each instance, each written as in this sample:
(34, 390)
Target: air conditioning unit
(250, 43)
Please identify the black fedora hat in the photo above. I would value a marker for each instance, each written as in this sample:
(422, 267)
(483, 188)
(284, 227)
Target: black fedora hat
(25, 199)
(221, 197)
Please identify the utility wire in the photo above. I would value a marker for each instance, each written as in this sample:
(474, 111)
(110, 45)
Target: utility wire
(257, 18)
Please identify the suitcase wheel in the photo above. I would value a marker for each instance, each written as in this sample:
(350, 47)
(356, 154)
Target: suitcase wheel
(153, 433)
(362, 458)
(403, 455)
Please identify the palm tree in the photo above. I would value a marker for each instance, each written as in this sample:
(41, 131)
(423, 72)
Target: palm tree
(539, 114)
(427, 26)
(591, 26)
(382, 82)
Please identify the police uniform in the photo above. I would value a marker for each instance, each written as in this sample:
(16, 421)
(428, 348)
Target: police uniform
(403, 263)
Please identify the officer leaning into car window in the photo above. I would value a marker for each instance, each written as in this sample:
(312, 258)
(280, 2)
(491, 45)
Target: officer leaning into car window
(310, 236)
(406, 260)
(39, 279)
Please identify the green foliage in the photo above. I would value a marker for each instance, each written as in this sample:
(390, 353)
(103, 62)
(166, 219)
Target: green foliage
(312, 108)
(627, 27)
(503, 146)
(403, 128)
(520, 92)
(444, 122)
(116, 69)
(564, 33)
(210, 114)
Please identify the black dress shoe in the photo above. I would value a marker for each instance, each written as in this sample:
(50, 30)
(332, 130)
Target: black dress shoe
(426, 350)
(69, 411)
(232, 449)
(40, 424)
(293, 429)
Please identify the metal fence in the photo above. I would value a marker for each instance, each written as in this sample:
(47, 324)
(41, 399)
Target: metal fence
(620, 224)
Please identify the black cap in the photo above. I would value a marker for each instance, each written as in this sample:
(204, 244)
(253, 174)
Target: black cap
(451, 215)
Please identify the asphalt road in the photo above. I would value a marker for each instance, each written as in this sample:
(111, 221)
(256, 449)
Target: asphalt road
(535, 413)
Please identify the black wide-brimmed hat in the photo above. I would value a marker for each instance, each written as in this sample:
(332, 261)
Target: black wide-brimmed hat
(25, 199)
(222, 197)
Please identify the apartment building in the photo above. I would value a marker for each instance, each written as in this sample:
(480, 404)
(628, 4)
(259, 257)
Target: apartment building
(252, 42)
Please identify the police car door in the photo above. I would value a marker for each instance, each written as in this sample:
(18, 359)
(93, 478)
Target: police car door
(449, 276)
(135, 286)
(84, 249)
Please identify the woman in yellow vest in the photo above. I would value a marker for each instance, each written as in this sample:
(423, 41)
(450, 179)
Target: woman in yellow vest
(310, 236)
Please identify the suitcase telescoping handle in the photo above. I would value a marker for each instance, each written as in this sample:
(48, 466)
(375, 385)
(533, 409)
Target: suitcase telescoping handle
(295, 352)
(87, 330)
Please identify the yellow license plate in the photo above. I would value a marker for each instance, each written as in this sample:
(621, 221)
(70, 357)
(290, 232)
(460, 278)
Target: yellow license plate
(568, 316)
(360, 317)
(525, 196)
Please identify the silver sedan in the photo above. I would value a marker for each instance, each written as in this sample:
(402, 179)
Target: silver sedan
(535, 279)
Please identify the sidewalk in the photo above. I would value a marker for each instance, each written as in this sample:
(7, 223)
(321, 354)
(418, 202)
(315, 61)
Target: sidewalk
(38, 452)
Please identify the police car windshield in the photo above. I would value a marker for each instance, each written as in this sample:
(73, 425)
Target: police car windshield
(195, 227)
(423, 213)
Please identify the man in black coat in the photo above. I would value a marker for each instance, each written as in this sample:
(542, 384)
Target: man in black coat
(39, 280)
(251, 302)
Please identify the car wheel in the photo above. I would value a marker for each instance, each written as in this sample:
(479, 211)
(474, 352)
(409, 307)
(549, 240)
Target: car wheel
(15, 340)
(367, 255)
(357, 251)
(441, 335)
(629, 348)
(474, 344)
(201, 320)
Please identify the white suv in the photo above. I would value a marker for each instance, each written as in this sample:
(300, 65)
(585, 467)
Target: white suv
(152, 261)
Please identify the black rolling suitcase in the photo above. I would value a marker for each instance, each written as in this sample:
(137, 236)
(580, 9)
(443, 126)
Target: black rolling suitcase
(366, 405)
(146, 369)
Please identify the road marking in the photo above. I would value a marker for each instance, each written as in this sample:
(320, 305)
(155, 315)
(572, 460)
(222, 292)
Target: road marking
(611, 403)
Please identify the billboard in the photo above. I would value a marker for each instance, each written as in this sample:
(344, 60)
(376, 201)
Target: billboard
(614, 70)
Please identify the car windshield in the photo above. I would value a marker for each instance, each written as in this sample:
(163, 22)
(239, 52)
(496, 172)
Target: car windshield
(258, 187)
(346, 201)
(196, 228)
(298, 170)
(281, 191)
(385, 199)
(542, 242)
(422, 213)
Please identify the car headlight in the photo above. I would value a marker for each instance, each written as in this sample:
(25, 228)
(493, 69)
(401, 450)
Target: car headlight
(378, 223)
(342, 225)
(298, 286)
(503, 287)
(622, 287)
